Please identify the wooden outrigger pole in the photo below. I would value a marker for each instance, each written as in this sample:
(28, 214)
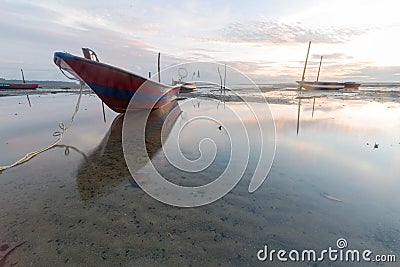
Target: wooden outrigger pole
(305, 66)
(319, 68)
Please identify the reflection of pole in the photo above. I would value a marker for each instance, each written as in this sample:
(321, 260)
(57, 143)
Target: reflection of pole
(220, 78)
(27, 96)
(305, 66)
(313, 105)
(224, 78)
(298, 116)
(104, 112)
(29, 101)
(319, 69)
(158, 67)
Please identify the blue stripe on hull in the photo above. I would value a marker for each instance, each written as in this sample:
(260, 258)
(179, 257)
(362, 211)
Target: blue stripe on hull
(119, 93)
(110, 91)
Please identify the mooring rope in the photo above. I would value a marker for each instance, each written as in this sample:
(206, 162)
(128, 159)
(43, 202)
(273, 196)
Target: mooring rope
(59, 134)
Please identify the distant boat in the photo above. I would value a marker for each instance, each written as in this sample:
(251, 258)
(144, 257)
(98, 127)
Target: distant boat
(351, 85)
(13, 86)
(329, 85)
(114, 86)
(317, 85)
(185, 86)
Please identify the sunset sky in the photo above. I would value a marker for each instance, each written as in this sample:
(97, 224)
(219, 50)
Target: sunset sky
(266, 40)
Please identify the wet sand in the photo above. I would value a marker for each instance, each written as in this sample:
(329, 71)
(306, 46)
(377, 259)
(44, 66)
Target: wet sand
(82, 208)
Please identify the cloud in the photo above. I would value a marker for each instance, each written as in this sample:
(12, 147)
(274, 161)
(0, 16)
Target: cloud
(129, 34)
(276, 32)
(32, 39)
(333, 56)
(377, 73)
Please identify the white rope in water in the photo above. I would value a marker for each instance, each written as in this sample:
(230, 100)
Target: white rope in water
(59, 134)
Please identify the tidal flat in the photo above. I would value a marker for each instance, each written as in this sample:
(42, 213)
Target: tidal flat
(334, 174)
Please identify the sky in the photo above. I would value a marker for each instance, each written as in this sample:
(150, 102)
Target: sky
(266, 40)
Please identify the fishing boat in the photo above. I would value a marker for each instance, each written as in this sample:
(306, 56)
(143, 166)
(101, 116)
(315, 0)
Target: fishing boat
(317, 85)
(14, 86)
(322, 85)
(115, 86)
(329, 85)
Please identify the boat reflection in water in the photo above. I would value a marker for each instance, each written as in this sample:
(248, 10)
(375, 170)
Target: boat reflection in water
(105, 167)
(299, 98)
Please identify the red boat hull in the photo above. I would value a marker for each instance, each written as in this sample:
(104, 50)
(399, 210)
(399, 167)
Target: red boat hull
(26, 86)
(351, 85)
(115, 86)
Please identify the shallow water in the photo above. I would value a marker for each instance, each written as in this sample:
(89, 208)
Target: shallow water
(82, 207)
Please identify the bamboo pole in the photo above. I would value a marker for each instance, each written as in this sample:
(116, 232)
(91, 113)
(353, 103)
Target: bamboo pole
(305, 66)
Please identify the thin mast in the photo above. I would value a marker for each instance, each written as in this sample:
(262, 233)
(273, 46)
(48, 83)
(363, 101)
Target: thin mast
(305, 66)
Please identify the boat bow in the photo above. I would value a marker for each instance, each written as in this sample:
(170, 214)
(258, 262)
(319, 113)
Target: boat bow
(115, 86)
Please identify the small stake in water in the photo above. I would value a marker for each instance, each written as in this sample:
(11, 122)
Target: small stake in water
(23, 78)
(158, 67)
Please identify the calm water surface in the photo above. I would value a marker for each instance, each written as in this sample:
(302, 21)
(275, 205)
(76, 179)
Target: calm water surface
(77, 204)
